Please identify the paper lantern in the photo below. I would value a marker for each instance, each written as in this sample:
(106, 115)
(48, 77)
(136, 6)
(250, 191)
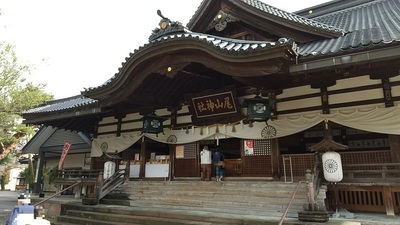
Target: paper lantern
(332, 165)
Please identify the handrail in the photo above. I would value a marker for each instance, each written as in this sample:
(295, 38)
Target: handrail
(115, 179)
(48, 198)
(290, 202)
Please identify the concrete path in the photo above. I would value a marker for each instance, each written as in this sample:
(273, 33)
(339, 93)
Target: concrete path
(8, 200)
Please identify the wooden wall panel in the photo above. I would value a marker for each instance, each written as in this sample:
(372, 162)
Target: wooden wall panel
(355, 96)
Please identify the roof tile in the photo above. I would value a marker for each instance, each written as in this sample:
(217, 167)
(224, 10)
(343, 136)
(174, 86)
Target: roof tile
(62, 104)
(369, 24)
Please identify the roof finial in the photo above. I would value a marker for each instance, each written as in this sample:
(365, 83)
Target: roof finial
(160, 14)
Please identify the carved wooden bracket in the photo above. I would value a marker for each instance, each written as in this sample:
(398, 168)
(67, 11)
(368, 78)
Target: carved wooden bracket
(221, 20)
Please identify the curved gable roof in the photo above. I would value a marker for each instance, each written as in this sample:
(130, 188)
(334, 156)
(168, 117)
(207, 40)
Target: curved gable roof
(188, 47)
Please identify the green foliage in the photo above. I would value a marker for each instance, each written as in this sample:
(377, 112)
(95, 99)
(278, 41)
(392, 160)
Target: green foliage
(50, 174)
(8, 159)
(16, 96)
(28, 176)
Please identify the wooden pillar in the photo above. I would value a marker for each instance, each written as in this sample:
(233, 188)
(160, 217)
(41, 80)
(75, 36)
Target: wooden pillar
(388, 200)
(142, 158)
(275, 156)
(172, 161)
(127, 170)
(394, 143)
(38, 182)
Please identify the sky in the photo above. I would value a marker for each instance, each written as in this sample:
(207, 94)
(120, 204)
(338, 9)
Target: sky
(71, 45)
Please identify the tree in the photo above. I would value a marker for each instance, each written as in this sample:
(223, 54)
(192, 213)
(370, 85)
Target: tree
(16, 95)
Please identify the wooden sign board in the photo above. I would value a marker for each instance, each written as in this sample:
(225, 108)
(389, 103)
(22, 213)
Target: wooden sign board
(214, 106)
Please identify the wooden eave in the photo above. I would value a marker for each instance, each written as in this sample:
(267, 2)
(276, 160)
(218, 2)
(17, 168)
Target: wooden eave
(147, 69)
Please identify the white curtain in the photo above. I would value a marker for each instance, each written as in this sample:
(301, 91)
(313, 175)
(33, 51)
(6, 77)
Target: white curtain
(373, 119)
(113, 144)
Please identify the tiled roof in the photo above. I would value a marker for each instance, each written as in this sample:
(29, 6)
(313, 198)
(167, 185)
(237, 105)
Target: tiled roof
(292, 17)
(275, 12)
(62, 104)
(228, 45)
(368, 25)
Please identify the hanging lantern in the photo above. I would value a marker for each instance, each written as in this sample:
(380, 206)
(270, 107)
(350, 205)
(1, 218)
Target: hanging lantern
(258, 109)
(332, 165)
(153, 124)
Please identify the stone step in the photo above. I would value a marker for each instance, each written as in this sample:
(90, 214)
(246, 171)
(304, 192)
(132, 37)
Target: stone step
(273, 211)
(67, 220)
(215, 188)
(248, 197)
(274, 203)
(228, 197)
(137, 219)
(195, 184)
(240, 198)
(90, 215)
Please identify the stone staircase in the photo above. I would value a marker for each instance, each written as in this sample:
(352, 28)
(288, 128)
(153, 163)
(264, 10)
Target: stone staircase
(192, 202)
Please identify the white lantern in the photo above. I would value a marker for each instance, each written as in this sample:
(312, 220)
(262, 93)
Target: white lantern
(332, 165)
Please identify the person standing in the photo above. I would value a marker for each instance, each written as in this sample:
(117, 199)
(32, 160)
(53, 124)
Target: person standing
(205, 164)
(218, 159)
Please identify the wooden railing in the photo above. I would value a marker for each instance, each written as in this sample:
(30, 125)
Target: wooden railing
(112, 182)
(96, 187)
(372, 172)
(77, 174)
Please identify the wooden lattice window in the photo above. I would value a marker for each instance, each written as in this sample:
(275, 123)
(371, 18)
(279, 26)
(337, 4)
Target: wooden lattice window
(260, 147)
(190, 151)
(187, 151)
(363, 157)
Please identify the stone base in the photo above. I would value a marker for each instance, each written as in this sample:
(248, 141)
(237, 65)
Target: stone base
(313, 216)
